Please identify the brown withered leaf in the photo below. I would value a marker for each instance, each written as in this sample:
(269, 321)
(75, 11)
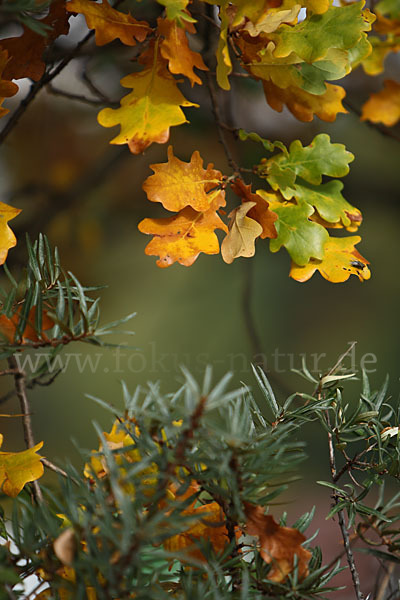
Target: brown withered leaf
(278, 545)
(26, 51)
(260, 212)
(65, 546)
(175, 49)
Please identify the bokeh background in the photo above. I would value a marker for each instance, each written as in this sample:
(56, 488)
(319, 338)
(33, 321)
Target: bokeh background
(58, 166)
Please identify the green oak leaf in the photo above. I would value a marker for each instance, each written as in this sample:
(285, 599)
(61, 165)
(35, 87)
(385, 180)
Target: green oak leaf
(302, 238)
(311, 162)
(327, 199)
(176, 11)
(339, 27)
(334, 66)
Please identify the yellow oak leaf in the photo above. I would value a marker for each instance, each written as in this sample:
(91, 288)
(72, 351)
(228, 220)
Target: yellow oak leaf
(147, 113)
(261, 211)
(242, 234)
(175, 49)
(271, 20)
(304, 105)
(183, 237)
(383, 107)
(177, 184)
(7, 238)
(340, 261)
(18, 468)
(278, 545)
(110, 24)
(224, 62)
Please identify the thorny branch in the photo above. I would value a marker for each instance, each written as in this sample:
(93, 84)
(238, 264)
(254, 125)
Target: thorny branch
(345, 535)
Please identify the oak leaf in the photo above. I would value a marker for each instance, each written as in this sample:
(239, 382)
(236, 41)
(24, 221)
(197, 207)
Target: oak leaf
(384, 106)
(176, 11)
(175, 49)
(110, 24)
(8, 327)
(208, 525)
(26, 51)
(183, 237)
(243, 232)
(304, 105)
(278, 545)
(311, 162)
(147, 113)
(224, 62)
(7, 88)
(260, 212)
(271, 20)
(118, 439)
(7, 238)
(302, 238)
(338, 27)
(329, 202)
(340, 261)
(18, 468)
(177, 184)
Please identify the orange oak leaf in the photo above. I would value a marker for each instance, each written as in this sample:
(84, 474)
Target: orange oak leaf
(181, 238)
(8, 327)
(175, 49)
(208, 525)
(18, 468)
(7, 238)
(147, 113)
(383, 107)
(278, 545)
(304, 105)
(7, 88)
(177, 184)
(110, 24)
(340, 261)
(260, 212)
(26, 51)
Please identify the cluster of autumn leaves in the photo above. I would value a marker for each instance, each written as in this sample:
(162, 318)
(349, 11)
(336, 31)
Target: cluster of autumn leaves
(295, 48)
(204, 518)
(296, 212)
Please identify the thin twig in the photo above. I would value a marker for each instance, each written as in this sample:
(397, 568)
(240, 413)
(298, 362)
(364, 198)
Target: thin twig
(20, 388)
(382, 129)
(342, 524)
(77, 97)
(47, 463)
(38, 85)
